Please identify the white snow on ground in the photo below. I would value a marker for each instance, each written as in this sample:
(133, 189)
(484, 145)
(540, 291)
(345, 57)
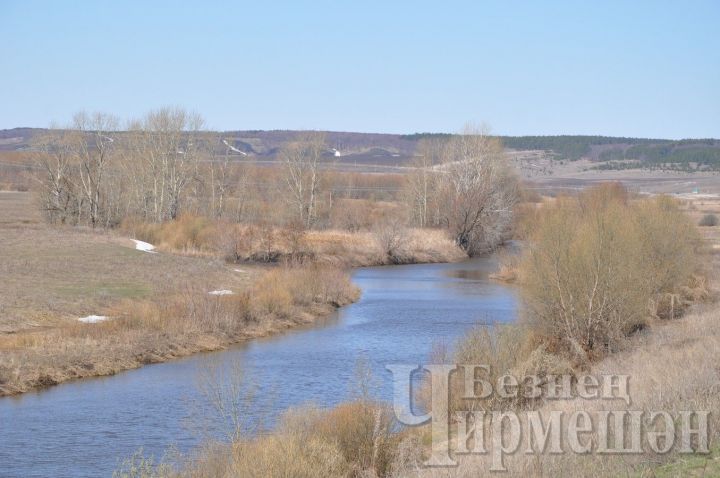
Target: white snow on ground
(221, 292)
(144, 246)
(233, 148)
(697, 196)
(92, 319)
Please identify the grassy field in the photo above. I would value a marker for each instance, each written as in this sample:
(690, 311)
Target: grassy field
(158, 304)
(54, 275)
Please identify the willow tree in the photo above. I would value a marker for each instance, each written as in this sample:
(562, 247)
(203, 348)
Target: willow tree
(477, 190)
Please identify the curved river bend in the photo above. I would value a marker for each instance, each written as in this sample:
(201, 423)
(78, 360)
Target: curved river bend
(82, 429)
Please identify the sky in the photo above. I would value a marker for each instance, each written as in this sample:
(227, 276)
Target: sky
(630, 68)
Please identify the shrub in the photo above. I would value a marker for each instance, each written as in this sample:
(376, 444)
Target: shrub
(392, 238)
(283, 288)
(361, 430)
(709, 220)
(597, 262)
(188, 233)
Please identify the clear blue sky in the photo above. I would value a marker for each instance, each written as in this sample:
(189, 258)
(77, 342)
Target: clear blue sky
(629, 68)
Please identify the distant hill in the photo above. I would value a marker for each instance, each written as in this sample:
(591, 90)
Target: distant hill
(393, 150)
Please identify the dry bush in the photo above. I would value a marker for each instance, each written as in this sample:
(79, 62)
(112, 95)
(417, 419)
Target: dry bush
(389, 242)
(188, 234)
(686, 378)
(287, 455)
(282, 288)
(596, 264)
(503, 349)
(709, 220)
(670, 243)
(528, 195)
(508, 263)
(354, 440)
(392, 238)
(525, 217)
(361, 214)
(361, 430)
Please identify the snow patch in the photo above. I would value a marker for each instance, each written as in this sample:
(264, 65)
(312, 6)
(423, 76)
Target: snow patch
(93, 319)
(221, 292)
(233, 148)
(698, 196)
(144, 246)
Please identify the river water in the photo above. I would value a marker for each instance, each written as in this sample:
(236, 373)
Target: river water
(83, 428)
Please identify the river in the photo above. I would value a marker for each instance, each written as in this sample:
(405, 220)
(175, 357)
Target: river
(83, 428)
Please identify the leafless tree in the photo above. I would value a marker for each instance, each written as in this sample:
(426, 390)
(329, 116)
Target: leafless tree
(477, 190)
(162, 154)
(74, 161)
(421, 184)
(221, 181)
(92, 143)
(392, 237)
(53, 155)
(301, 163)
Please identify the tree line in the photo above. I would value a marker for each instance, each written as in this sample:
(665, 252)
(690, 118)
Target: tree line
(165, 164)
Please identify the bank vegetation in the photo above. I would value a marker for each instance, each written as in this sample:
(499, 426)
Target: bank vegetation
(610, 284)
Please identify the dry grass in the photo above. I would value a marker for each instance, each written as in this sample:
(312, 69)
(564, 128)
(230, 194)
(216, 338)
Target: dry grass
(356, 439)
(674, 367)
(197, 236)
(173, 325)
(353, 440)
(53, 275)
(600, 265)
(158, 303)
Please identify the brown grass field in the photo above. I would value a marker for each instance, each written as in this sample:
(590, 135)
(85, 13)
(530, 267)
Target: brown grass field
(158, 304)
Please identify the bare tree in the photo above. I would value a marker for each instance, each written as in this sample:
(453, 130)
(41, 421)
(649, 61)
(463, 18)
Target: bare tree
(392, 237)
(53, 155)
(477, 190)
(74, 162)
(421, 182)
(301, 163)
(92, 147)
(220, 181)
(162, 155)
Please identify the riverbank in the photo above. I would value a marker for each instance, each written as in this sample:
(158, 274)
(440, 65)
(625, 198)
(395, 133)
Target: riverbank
(386, 243)
(78, 303)
(669, 359)
(397, 319)
(141, 332)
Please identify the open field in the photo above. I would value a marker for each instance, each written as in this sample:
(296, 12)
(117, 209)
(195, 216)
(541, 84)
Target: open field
(55, 275)
(158, 304)
(547, 176)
